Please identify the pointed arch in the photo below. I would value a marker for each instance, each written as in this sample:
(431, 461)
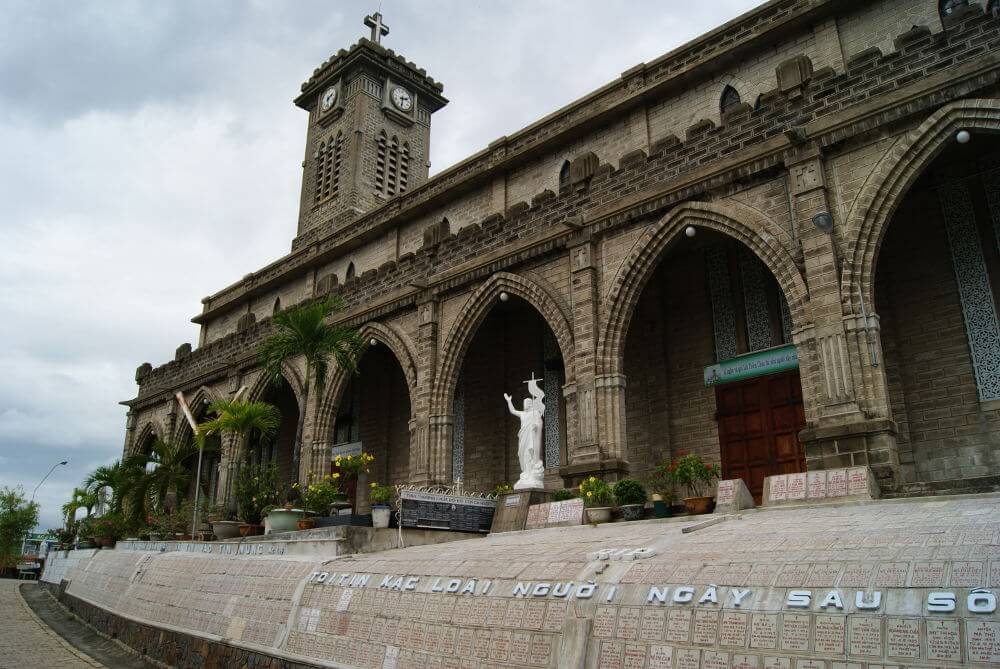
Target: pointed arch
(152, 428)
(730, 98)
(768, 241)
(889, 183)
(277, 305)
(564, 175)
(544, 299)
(289, 372)
(350, 273)
(196, 402)
(397, 342)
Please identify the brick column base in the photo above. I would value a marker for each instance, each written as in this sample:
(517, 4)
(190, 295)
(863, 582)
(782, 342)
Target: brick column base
(869, 442)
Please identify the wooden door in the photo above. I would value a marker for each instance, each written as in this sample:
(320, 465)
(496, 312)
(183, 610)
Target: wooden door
(759, 424)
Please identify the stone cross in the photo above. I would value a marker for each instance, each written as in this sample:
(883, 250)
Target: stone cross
(379, 29)
(532, 379)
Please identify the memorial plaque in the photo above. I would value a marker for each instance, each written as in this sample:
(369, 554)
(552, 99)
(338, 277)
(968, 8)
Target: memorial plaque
(481, 647)
(679, 625)
(810, 664)
(779, 488)
(846, 665)
(496, 613)
(796, 486)
(830, 634)
(857, 481)
(447, 644)
(688, 658)
(943, 640)
(968, 574)
(706, 627)
(816, 485)
(836, 483)
(746, 662)
(865, 636)
(712, 659)
(446, 512)
(794, 631)
(824, 574)
(661, 657)
(902, 638)
(520, 648)
(764, 631)
(726, 493)
(891, 574)
(515, 612)
(628, 623)
(541, 649)
(857, 575)
(612, 655)
(555, 614)
(500, 645)
(636, 573)
(764, 574)
(604, 622)
(660, 573)
(654, 624)
(983, 640)
(685, 573)
(712, 573)
(534, 613)
(792, 575)
(555, 514)
(635, 656)
(737, 574)
(995, 573)
(777, 663)
(733, 629)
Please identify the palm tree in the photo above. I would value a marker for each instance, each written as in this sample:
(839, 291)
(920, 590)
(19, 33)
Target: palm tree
(80, 499)
(171, 470)
(304, 331)
(241, 419)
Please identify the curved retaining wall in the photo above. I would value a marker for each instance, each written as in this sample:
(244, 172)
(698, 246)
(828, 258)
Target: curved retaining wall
(909, 583)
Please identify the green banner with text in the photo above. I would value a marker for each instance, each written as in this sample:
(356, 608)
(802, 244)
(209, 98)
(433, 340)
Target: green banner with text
(751, 365)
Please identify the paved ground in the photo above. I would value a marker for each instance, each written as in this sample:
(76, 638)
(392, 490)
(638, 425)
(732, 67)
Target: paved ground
(25, 641)
(36, 631)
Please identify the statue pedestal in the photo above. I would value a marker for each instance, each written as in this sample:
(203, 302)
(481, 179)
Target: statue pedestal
(512, 509)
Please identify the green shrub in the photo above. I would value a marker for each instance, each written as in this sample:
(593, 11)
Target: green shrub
(595, 492)
(563, 495)
(628, 491)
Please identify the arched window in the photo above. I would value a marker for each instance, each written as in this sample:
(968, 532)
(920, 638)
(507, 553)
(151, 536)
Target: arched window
(949, 7)
(564, 175)
(277, 306)
(350, 272)
(392, 165)
(730, 98)
(329, 157)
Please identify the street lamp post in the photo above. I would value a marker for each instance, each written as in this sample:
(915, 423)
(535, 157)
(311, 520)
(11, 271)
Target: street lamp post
(24, 543)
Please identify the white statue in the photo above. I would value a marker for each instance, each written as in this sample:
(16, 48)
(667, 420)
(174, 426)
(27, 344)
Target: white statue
(529, 437)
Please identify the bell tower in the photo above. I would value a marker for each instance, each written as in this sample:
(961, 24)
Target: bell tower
(369, 130)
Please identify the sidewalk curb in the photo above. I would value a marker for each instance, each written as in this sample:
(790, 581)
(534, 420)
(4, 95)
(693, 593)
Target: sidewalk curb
(48, 630)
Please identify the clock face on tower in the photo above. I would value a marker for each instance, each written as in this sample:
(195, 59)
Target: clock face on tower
(401, 99)
(329, 98)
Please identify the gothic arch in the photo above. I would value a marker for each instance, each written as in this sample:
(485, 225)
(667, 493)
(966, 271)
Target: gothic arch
(541, 297)
(763, 236)
(194, 402)
(290, 373)
(152, 427)
(401, 348)
(889, 182)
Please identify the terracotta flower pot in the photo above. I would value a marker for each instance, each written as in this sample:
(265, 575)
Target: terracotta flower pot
(306, 523)
(248, 530)
(599, 514)
(697, 505)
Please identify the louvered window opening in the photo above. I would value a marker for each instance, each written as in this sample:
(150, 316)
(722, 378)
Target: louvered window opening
(329, 159)
(392, 166)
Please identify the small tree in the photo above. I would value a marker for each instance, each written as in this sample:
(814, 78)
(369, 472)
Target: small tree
(171, 471)
(17, 517)
(304, 331)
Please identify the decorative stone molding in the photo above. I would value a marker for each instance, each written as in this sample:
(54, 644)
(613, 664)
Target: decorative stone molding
(793, 74)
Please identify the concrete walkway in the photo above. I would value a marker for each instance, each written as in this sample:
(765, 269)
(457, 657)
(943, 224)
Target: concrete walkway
(25, 641)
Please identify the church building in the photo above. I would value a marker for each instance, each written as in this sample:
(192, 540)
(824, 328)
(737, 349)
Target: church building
(776, 246)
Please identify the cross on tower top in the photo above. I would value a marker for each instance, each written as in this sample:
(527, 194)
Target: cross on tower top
(379, 29)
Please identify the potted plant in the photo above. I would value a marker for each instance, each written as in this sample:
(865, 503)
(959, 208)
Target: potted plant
(693, 473)
(381, 496)
(106, 530)
(318, 496)
(350, 467)
(223, 525)
(664, 492)
(597, 498)
(631, 498)
(501, 489)
(563, 494)
(256, 489)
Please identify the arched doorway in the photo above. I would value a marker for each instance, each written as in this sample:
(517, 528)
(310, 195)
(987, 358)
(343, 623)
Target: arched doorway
(373, 415)
(281, 449)
(936, 288)
(211, 457)
(709, 364)
(512, 343)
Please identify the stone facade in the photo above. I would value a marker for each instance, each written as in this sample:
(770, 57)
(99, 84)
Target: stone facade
(579, 221)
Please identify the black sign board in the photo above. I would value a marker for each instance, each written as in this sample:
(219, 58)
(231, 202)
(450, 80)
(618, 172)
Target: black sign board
(446, 512)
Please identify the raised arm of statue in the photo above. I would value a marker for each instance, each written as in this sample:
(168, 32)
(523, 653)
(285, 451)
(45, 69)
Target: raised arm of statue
(510, 406)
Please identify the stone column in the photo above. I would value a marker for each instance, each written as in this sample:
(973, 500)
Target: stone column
(430, 454)
(595, 406)
(844, 394)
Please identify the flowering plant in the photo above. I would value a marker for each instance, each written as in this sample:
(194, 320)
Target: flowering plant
(501, 489)
(319, 495)
(692, 472)
(256, 489)
(595, 492)
(381, 494)
(352, 465)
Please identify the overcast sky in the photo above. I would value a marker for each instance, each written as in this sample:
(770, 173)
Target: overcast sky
(150, 155)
